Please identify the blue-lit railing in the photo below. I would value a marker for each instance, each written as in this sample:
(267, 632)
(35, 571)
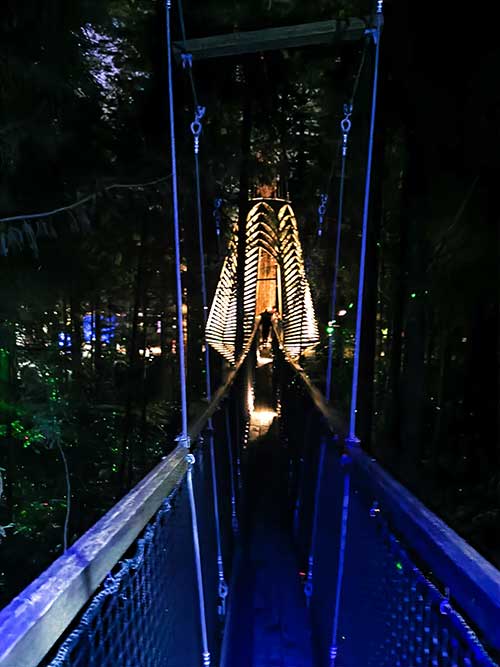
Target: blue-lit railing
(126, 593)
(388, 583)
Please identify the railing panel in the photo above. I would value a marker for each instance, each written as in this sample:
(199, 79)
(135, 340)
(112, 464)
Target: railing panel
(146, 613)
(202, 482)
(394, 610)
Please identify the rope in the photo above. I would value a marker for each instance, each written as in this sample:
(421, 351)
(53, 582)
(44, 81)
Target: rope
(340, 570)
(308, 586)
(184, 437)
(345, 126)
(33, 216)
(352, 439)
(80, 202)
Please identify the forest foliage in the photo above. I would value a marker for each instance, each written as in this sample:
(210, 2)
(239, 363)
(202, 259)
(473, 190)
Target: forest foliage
(88, 372)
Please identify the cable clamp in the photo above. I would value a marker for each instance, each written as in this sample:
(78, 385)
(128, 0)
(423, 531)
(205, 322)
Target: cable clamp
(216, 214)
(184, 440)
(187, 60)
(374, 32)
(223, 589)
(374, 509)
(322, 206)
(445, 606)
(345, 126)
(322, 212)
(196, 124)
(196, 127)
(308, 590)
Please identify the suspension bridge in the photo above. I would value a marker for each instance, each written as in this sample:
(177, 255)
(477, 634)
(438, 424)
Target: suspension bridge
(268, 537)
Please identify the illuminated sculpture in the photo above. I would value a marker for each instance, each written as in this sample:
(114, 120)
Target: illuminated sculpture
(274, 275)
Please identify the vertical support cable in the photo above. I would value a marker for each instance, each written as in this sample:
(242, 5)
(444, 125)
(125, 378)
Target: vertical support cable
(197, 556)
(340, 570)
(301, 478)
(223, 589)
(345, 127)
(308, 586)
(352, 439)
(175, 201)
(234, 517)
(184, 437)
(239, 439)
(196, 130)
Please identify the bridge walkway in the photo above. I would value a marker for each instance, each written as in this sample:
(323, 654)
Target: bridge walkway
(269, 625)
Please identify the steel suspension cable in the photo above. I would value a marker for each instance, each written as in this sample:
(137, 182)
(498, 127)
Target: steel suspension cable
(196, 129)
(325, 196)
(234, 516)
(340, 568)
(376, 32)
(345, 126)
(177, 244)
(352, 440)
(187, 58)
(308, 587)
(184, 437)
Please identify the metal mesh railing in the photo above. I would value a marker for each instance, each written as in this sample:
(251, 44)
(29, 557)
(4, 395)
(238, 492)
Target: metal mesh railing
(146, 613)
(162, 602)
(391, 612)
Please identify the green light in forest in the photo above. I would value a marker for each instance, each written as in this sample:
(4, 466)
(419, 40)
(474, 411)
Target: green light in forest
(399, 565)
(413, 295)
(329, 328)
(351, 305)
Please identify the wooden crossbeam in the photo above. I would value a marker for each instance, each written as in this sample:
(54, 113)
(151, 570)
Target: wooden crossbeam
(287, 37)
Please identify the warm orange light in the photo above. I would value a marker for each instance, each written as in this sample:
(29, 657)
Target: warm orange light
(263, 417)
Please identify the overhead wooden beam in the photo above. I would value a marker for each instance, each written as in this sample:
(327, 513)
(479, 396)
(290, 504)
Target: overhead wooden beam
(287, 37)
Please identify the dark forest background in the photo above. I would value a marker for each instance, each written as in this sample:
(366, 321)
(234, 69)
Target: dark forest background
(88, 363)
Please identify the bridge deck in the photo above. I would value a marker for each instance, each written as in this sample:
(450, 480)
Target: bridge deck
(270, 625)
